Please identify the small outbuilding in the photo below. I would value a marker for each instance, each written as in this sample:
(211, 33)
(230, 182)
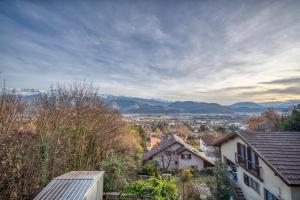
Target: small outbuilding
(75, 185)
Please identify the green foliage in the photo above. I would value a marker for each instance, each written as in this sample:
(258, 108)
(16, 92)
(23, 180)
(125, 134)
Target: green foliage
(205, 172)
(157, 188)
(186, 175)
(150, 168)
(119, 172)
(292, 122)
(221, 185)
(203, 128)
(153, 128)
(143, 137)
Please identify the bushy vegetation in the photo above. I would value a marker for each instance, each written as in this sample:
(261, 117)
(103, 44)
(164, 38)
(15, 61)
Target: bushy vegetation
(150, 168)
(119, 170)
(292, 122)
(270, 120)
(220, 185)
(69, 130)
(157, 188)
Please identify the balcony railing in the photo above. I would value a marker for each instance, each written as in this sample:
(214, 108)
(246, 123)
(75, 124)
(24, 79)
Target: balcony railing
(248, 165)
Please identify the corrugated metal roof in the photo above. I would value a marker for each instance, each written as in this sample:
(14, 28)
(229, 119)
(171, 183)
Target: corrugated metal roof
(71, 186)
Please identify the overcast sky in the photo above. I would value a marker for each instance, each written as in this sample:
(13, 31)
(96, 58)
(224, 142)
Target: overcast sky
(215, 51)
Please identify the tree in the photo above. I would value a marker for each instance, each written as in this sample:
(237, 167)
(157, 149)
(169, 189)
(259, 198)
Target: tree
(12, 111)
(221, 186)
(156, 187)
(166, 158)
(119, 171)
(268, 121)
(292, 122)
(185, 177)
(69, 130)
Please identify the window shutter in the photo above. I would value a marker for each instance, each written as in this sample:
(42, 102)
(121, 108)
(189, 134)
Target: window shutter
(249, 156)
(246, 179)
(239, 148)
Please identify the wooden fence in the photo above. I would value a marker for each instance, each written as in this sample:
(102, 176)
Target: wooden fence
(120, 196)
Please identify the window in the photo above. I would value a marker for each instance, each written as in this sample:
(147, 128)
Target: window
(270, 196)
(241, 149)
(252, 159)
(251, 183)
(176, 162)
(246, 179)
(254, 185)
(186, 156)
(248, 159)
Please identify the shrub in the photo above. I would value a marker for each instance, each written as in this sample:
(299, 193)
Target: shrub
(150, 168)
(158, 188)
(221, 185)
(119, 172)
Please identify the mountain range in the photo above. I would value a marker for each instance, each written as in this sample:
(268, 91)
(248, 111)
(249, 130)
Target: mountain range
(134, 105)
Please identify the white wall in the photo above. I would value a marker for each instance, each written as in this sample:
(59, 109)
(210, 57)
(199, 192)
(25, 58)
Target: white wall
(96, 190)
(181, 164)
(202, 145)
(271, 182)
(158, 157)
(194, 161)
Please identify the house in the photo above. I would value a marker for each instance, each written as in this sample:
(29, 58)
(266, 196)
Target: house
(174, 153)
(207, 142)
(75, 185)
(264, 165)
(154, 141)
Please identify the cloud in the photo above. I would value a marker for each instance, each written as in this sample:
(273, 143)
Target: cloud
(193, 50)
(285, 81)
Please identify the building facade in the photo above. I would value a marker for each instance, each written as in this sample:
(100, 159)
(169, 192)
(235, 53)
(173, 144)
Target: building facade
(174, 153)
(264, 165)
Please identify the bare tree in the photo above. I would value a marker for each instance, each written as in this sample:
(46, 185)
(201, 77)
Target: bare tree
(166, 158)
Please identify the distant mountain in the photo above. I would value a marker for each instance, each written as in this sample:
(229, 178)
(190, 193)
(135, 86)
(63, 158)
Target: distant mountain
(200, 107)
(280, 104)
(134, 105)
(247, 107)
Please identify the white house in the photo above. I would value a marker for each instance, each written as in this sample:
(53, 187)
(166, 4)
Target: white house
(207, 142)
(264, 165)
(174, 153)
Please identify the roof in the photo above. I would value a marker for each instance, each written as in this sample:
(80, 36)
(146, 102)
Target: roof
(225, 139)
(211, 138)
(73, 185)
(169, 141)
(279, 150)
(154, 141)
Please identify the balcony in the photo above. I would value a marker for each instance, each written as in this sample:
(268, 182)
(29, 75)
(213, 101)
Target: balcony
(249, 166)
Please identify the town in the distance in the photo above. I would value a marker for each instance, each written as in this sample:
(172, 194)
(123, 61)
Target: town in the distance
(181, 143)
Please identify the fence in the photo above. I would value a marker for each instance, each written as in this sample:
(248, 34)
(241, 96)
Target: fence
(120, 196)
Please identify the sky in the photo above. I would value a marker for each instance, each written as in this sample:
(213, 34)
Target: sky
(213, 51)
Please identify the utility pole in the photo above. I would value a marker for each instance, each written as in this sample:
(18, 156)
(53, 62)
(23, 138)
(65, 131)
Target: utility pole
(4, 81)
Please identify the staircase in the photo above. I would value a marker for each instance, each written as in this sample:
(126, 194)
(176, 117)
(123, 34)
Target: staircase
(238, 193)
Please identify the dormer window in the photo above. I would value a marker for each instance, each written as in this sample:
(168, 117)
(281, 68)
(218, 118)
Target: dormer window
(186, 156)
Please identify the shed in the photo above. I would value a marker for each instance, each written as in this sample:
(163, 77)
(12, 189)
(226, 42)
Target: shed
(75, 185)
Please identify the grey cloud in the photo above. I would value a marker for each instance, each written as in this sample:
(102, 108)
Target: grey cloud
(158, 46)
(285, 81)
